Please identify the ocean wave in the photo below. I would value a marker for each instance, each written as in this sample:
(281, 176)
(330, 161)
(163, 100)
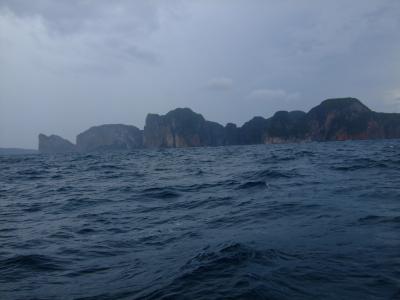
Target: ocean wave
(31, 263)
(309, 221)
(374, 219)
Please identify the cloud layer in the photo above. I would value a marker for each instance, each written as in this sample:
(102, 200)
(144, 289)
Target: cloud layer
(68, 65)
(220, 84)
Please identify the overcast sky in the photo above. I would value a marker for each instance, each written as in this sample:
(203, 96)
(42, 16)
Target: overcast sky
(69, 65)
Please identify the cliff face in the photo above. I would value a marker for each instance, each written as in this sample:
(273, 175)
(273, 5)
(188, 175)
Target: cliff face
(286, 127)
(388, 124)
(332, 120)
(252, 132)
(282, 127)
(55, 144)
(182, 128)
(232, 134)
(110, 137)
(341, 119)
(349, 119)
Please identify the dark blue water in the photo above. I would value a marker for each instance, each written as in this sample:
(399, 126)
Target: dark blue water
(308, 221)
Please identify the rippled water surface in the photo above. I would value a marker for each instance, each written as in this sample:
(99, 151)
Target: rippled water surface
(307, 221)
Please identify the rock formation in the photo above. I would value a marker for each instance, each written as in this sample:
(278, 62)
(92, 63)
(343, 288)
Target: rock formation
(55, 144)
(182, 128)
(349, 119)
(252, 132)
(232, 134)
(286, 127)
(282, 127)
(110, 137)
(332, 120)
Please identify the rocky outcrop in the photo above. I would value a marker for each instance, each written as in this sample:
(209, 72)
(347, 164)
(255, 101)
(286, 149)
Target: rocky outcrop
(252, 132)
(349, 119)
(110, 137)
(387, 125)
(332, 120)
(232, 134)
(282, 127)
(286, 127)
(55, 144)
(340, 119)
(182, 128)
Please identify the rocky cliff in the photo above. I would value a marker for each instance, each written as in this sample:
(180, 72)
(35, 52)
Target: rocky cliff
(182, 128)
(340, 119)
(110, 137)
(55, 144)
(332, 120)
(282, 127)
(349, 119)
(286, 127)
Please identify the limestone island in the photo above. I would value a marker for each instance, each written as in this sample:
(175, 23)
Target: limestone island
(332, 120)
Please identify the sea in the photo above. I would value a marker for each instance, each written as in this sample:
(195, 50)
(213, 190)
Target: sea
(293, 221)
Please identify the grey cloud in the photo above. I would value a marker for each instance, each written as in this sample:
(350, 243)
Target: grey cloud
(137, 53)
(273, 94)
(74, 15)
(104, 28)
(127, 50)
(392, 98)
(86, 62)
(220, 84)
